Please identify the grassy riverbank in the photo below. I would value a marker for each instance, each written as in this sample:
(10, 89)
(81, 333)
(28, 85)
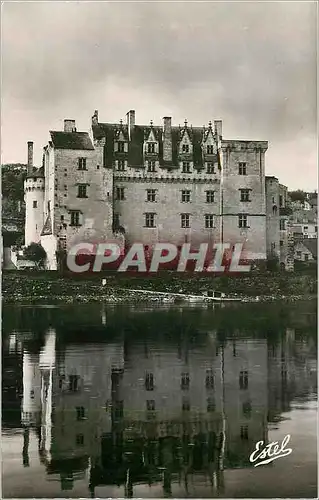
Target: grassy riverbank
(50, 287)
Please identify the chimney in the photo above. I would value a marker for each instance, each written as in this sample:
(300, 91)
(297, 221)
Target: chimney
(30, 158)
(218, 127)
(95, 118)
(167, 139)
(69, 126)
(130, 122)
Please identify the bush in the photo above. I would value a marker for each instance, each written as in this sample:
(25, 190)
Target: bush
(36, 253)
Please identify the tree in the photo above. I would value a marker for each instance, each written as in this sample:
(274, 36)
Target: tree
(36, 253)
(298, 195)
(273, 262)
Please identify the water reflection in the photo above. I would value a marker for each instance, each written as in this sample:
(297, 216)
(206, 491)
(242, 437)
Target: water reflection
(155, 397)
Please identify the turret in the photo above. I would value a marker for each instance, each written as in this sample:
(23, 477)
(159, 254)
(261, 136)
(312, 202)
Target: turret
(34, 199)
(31, 402)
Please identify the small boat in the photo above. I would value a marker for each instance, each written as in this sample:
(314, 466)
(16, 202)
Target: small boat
(195, 298)
(221, 297)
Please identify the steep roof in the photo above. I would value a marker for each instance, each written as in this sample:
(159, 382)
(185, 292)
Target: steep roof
(312, 245)
(71, 140)
(36, 173)
(47, 228)
(135, 146)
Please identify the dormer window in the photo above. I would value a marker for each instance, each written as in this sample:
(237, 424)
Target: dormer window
(121, 147)
(121, 165)
(185, 148)
(210, 168)
(210, 149)
(151, 147)
(151, 166)
(186, 168)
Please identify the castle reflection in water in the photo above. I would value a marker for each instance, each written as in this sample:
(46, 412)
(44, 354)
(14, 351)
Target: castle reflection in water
(152, 410)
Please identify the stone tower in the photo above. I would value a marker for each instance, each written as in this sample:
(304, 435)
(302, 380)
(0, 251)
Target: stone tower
(34, 199)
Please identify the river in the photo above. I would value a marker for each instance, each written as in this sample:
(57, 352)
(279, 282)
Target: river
(153, 402)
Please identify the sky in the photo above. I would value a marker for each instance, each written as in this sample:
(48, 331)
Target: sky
(250, 64)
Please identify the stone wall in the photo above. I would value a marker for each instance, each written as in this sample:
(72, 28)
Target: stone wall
(272, 217)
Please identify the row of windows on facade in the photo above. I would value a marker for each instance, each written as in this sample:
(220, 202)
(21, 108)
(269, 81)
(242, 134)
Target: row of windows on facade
(150, 383)
(151, 166)
(209, 220)
(79, 439)
(150, 406)
(151, 195)
(150, 220)
(152, 148)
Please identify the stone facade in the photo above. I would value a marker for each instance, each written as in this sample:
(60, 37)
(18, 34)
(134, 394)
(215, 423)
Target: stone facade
(279, 232)
(172, 184)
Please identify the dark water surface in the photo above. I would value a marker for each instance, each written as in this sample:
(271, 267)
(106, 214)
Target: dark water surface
(103, 401)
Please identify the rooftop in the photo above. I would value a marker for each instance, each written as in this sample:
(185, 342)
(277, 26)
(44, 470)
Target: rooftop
(71, 140)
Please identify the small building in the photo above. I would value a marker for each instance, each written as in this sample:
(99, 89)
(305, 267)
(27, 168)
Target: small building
(306, 250)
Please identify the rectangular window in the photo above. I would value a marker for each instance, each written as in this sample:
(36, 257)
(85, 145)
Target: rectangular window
(247, 409)
(119, 409)
(186, 169)
(35, 204)
(209, 221)
(244, 194)
(82, 164)
(298, 254)
(185, 381)
(150, 405)
(120, 147)
(73, 383)
(80, 412)
(120, 193)
(186, 404)
(116, 220)
(282, 224)
(244, 432)
(185, 148)
(75, 218)
(306, 256)
(210, 196)
(149, 220)
(63, 242)
(79, 439)
(186, 196)
(185, 220)
(243, 379)
(281, 243)
(210, 168)
(209, 381)
(151, 166)
(121, 165)
(242, 168)
(151, 147)
(151, 195)
(210, 149)
(280, 201)
(149, 382)
(210, 404)
(242, 221)
(82, 191)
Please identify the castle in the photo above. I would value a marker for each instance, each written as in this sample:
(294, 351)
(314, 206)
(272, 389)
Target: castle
(173, 184)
